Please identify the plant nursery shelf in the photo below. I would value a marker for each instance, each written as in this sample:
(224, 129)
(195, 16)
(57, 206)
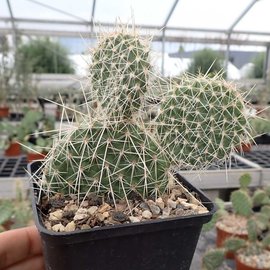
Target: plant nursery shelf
(262, 158)
(12, 176)
(256, 163)
(13, 166)
(224, 177)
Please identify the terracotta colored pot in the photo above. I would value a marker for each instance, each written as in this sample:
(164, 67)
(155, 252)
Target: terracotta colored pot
(4, 112)
(245, 147)
(222, 236)
(241, 266)
(14, 149)
(34, 156)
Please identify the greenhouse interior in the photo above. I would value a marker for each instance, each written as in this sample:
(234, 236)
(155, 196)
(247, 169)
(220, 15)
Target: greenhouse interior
(135, 134)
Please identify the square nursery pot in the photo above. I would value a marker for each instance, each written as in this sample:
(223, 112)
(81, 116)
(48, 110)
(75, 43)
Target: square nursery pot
(167, 244)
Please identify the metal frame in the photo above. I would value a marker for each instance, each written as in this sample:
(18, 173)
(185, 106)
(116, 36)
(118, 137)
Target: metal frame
(229, 36)
(230, 30)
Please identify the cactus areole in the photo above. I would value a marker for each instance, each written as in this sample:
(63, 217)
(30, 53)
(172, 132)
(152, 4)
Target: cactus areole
(113, 157)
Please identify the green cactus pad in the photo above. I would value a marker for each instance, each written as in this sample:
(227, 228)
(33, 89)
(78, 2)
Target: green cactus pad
(241, 202)
(213, 259)
(116, 158)
(202, 120)
(120, 72)
(234, 243)
(245, 180)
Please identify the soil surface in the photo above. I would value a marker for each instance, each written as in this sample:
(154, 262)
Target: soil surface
(65, 214)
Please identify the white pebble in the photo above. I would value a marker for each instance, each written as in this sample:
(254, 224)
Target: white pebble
(56, 215)
(58, 228)
(146, 214)
(134, 219)
(70, 227)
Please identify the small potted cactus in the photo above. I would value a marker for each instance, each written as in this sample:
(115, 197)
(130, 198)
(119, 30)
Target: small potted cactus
(235, 223)
(108, 191)
(232, 222)
(250, 253)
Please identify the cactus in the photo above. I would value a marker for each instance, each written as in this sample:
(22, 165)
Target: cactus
(119, 158)
(202, 120)
(114, 152)
(260, 198)
(252, 228)
(120, 72)
(213, 259)
(241, 202)
(245, 181)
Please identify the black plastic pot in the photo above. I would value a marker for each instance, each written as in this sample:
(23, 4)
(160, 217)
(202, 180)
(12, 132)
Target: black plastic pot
(152, 245)
(262, 139)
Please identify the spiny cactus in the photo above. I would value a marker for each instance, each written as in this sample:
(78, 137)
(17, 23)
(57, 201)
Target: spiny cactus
(116, 158)
(202, 120)
(115, 152)
(120, 72)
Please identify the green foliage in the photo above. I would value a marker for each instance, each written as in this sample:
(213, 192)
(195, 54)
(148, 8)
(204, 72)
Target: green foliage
(260, 126)
(241, 202)
(34, 131)
(213, 259)
(216, 216)
(113, 151)
(6, 70)
(17, 210)
(6, 210)
(44, 56)
(190, 123)
(206, 61)
(234, 244)
(258, 62)
(120, 72)
(252, 230)
(117, 159)
(262, 221)
(245, 181)
(266, 210)
(259, 198)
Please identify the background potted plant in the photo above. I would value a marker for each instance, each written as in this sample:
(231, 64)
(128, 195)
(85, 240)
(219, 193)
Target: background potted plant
(250, 253)
(232, 221)
(261, 128)
(33, 132)
(6, 73)
(115, 174)
(38, 138)
(15, 212)
(12, 135)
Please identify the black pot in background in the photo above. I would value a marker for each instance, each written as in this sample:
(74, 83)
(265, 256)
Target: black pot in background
(167, 244)
(263, 139)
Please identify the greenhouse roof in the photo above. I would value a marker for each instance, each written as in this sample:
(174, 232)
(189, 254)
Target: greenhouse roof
(243, 22)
